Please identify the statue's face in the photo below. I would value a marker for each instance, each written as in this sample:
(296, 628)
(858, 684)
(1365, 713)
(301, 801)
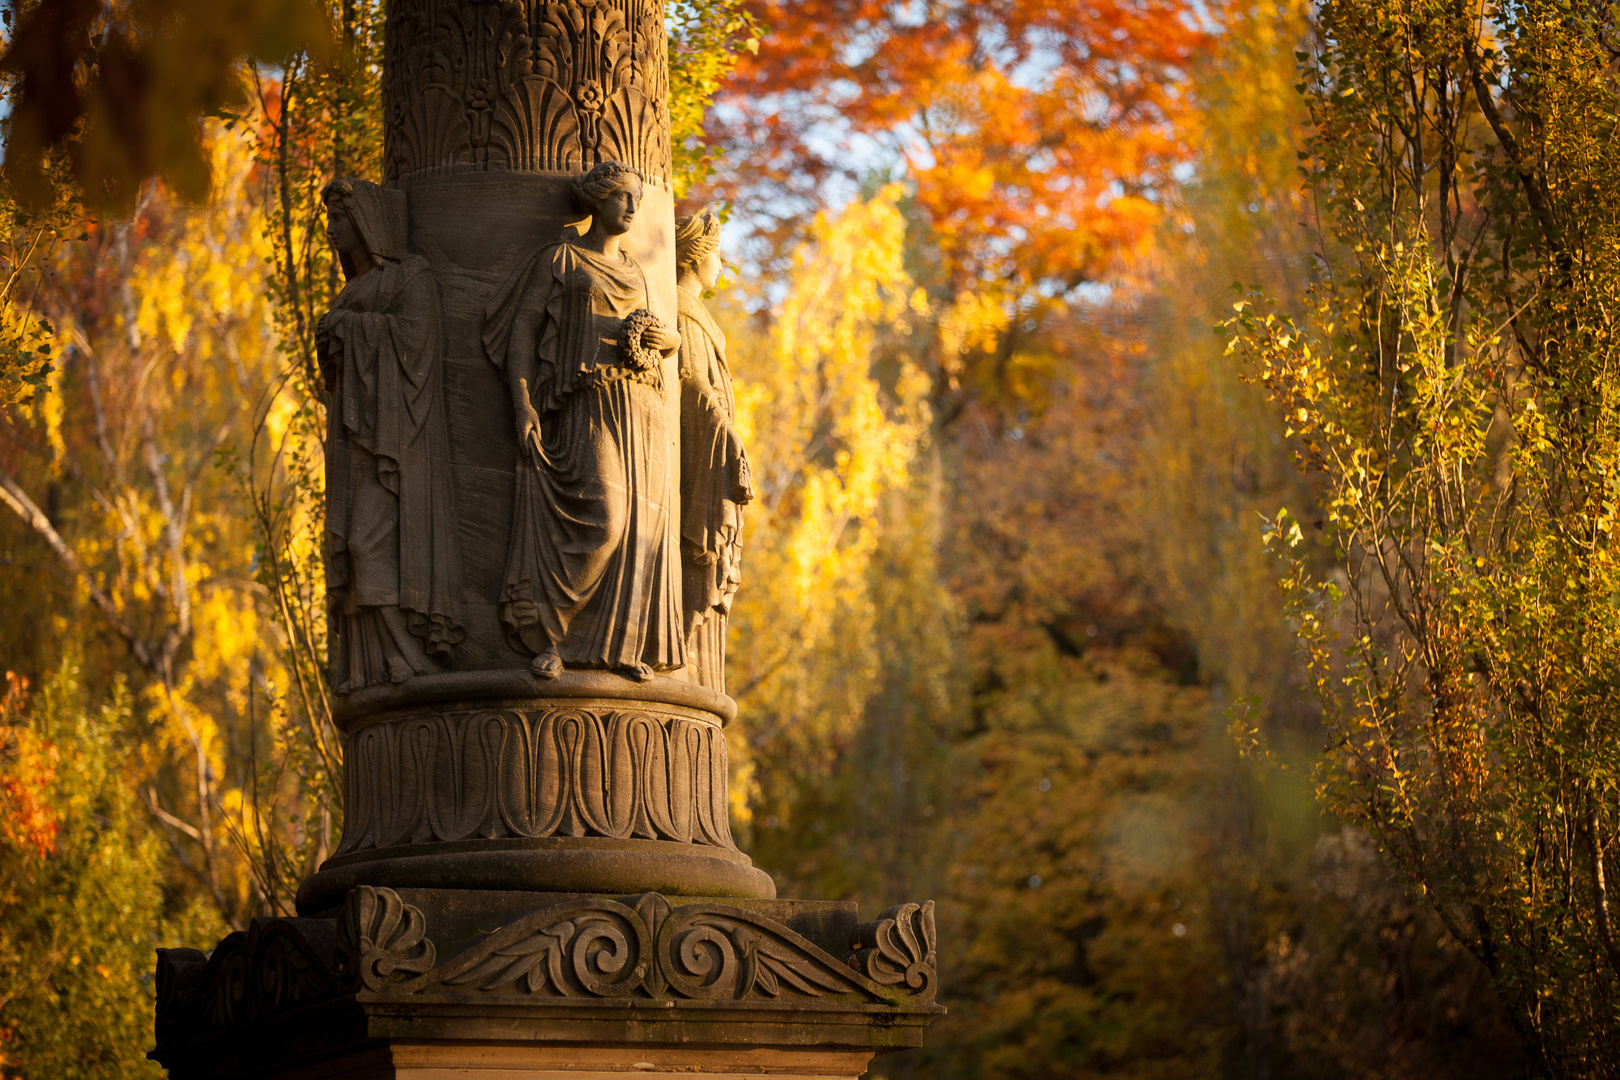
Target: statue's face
(708, 269)
(340, 230)
(616, 211)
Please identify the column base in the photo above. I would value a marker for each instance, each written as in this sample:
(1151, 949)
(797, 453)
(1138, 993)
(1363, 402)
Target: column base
(431, 983)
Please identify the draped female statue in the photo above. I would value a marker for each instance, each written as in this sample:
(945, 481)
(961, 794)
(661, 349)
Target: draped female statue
(591, 576)
(393, 570)
(714, 469)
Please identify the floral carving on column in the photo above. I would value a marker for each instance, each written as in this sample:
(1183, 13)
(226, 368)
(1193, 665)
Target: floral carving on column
(527, 85)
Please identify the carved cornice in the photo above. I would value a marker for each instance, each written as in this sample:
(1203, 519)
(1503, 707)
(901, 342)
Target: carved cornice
(526, 85)
(600, 948)
(643, 950)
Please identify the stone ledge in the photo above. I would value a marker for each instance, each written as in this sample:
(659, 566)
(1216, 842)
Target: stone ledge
(511, 688)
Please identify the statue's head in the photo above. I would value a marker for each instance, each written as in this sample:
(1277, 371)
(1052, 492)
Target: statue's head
(611, 194)
(697, 246)
(365, 223)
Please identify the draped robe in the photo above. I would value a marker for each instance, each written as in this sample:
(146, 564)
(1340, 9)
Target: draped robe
(390, 518)
(715, 483)
(590, 571)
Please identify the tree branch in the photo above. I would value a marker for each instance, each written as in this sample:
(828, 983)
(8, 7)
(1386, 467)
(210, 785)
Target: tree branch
(24, 507)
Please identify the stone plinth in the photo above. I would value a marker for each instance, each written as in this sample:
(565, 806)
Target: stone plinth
(500, 780)
(530, 985)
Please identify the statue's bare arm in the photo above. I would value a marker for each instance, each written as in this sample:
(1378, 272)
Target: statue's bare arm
(522, 363)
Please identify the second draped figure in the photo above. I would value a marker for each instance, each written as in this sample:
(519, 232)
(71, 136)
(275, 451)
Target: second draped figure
(592, 574)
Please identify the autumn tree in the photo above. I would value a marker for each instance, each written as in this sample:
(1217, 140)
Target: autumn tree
(1451, 386)
(81, 885)
(1036, 140)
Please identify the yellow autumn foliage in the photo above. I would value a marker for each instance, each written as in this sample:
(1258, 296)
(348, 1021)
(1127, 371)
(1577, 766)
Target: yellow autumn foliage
(834, 419)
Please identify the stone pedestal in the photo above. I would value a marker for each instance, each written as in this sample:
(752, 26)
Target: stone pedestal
(426, 983)
(499, 780)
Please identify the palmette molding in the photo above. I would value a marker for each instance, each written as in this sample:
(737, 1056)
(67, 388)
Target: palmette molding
(642, 949)
(526, 85)
(553, 771)
(535, 773)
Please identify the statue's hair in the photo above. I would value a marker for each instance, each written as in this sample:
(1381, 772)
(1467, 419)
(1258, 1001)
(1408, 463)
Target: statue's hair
(590, 189)
(696, 236)
(339, 192)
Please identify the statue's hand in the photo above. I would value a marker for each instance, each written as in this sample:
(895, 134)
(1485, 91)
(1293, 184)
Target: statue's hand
(663, 337)
(528, 430)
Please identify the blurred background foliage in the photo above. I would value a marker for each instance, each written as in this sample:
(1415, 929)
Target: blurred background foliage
(1009, 636)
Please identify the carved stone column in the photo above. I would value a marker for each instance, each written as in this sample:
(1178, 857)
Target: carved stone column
(478, 774)
(537, 876)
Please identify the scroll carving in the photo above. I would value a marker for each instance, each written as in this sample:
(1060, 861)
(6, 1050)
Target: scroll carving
(577, 952)
(591, 949)
(699, 952)
(527, 85)
(709, 953)
(274, 966)
(549, 772)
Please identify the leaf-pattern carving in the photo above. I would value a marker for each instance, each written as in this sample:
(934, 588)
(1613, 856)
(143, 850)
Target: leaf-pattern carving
(528, 86)
(700, 952)
(594, 948)
(535, 128)
(897, 948)
(384, 939)
(632, 127)
(546, 772)
(435, 132)
(719, 952)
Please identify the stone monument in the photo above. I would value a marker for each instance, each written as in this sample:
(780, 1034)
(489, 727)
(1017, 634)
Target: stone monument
(535, 503)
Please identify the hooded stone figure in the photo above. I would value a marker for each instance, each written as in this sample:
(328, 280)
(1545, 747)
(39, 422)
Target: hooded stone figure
(591, 575)
(393, 561)
(715, 482)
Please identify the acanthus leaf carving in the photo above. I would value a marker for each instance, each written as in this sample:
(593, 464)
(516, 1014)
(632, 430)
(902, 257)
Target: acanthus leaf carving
(718, 952)
(701, 952)
(897, 948)
(384, 940)
(586, 949)
(478, 84)
(535, 127)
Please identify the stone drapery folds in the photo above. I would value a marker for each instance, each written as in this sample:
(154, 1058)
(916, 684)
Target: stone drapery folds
(591, 576)
(715, 479)
(393, 560)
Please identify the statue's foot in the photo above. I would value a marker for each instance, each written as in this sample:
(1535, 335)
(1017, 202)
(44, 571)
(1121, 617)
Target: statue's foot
(548, 665)
(399, 671)
(639, 672)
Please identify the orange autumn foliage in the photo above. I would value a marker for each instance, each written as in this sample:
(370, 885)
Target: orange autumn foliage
(1039, 136)
(28, 821)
